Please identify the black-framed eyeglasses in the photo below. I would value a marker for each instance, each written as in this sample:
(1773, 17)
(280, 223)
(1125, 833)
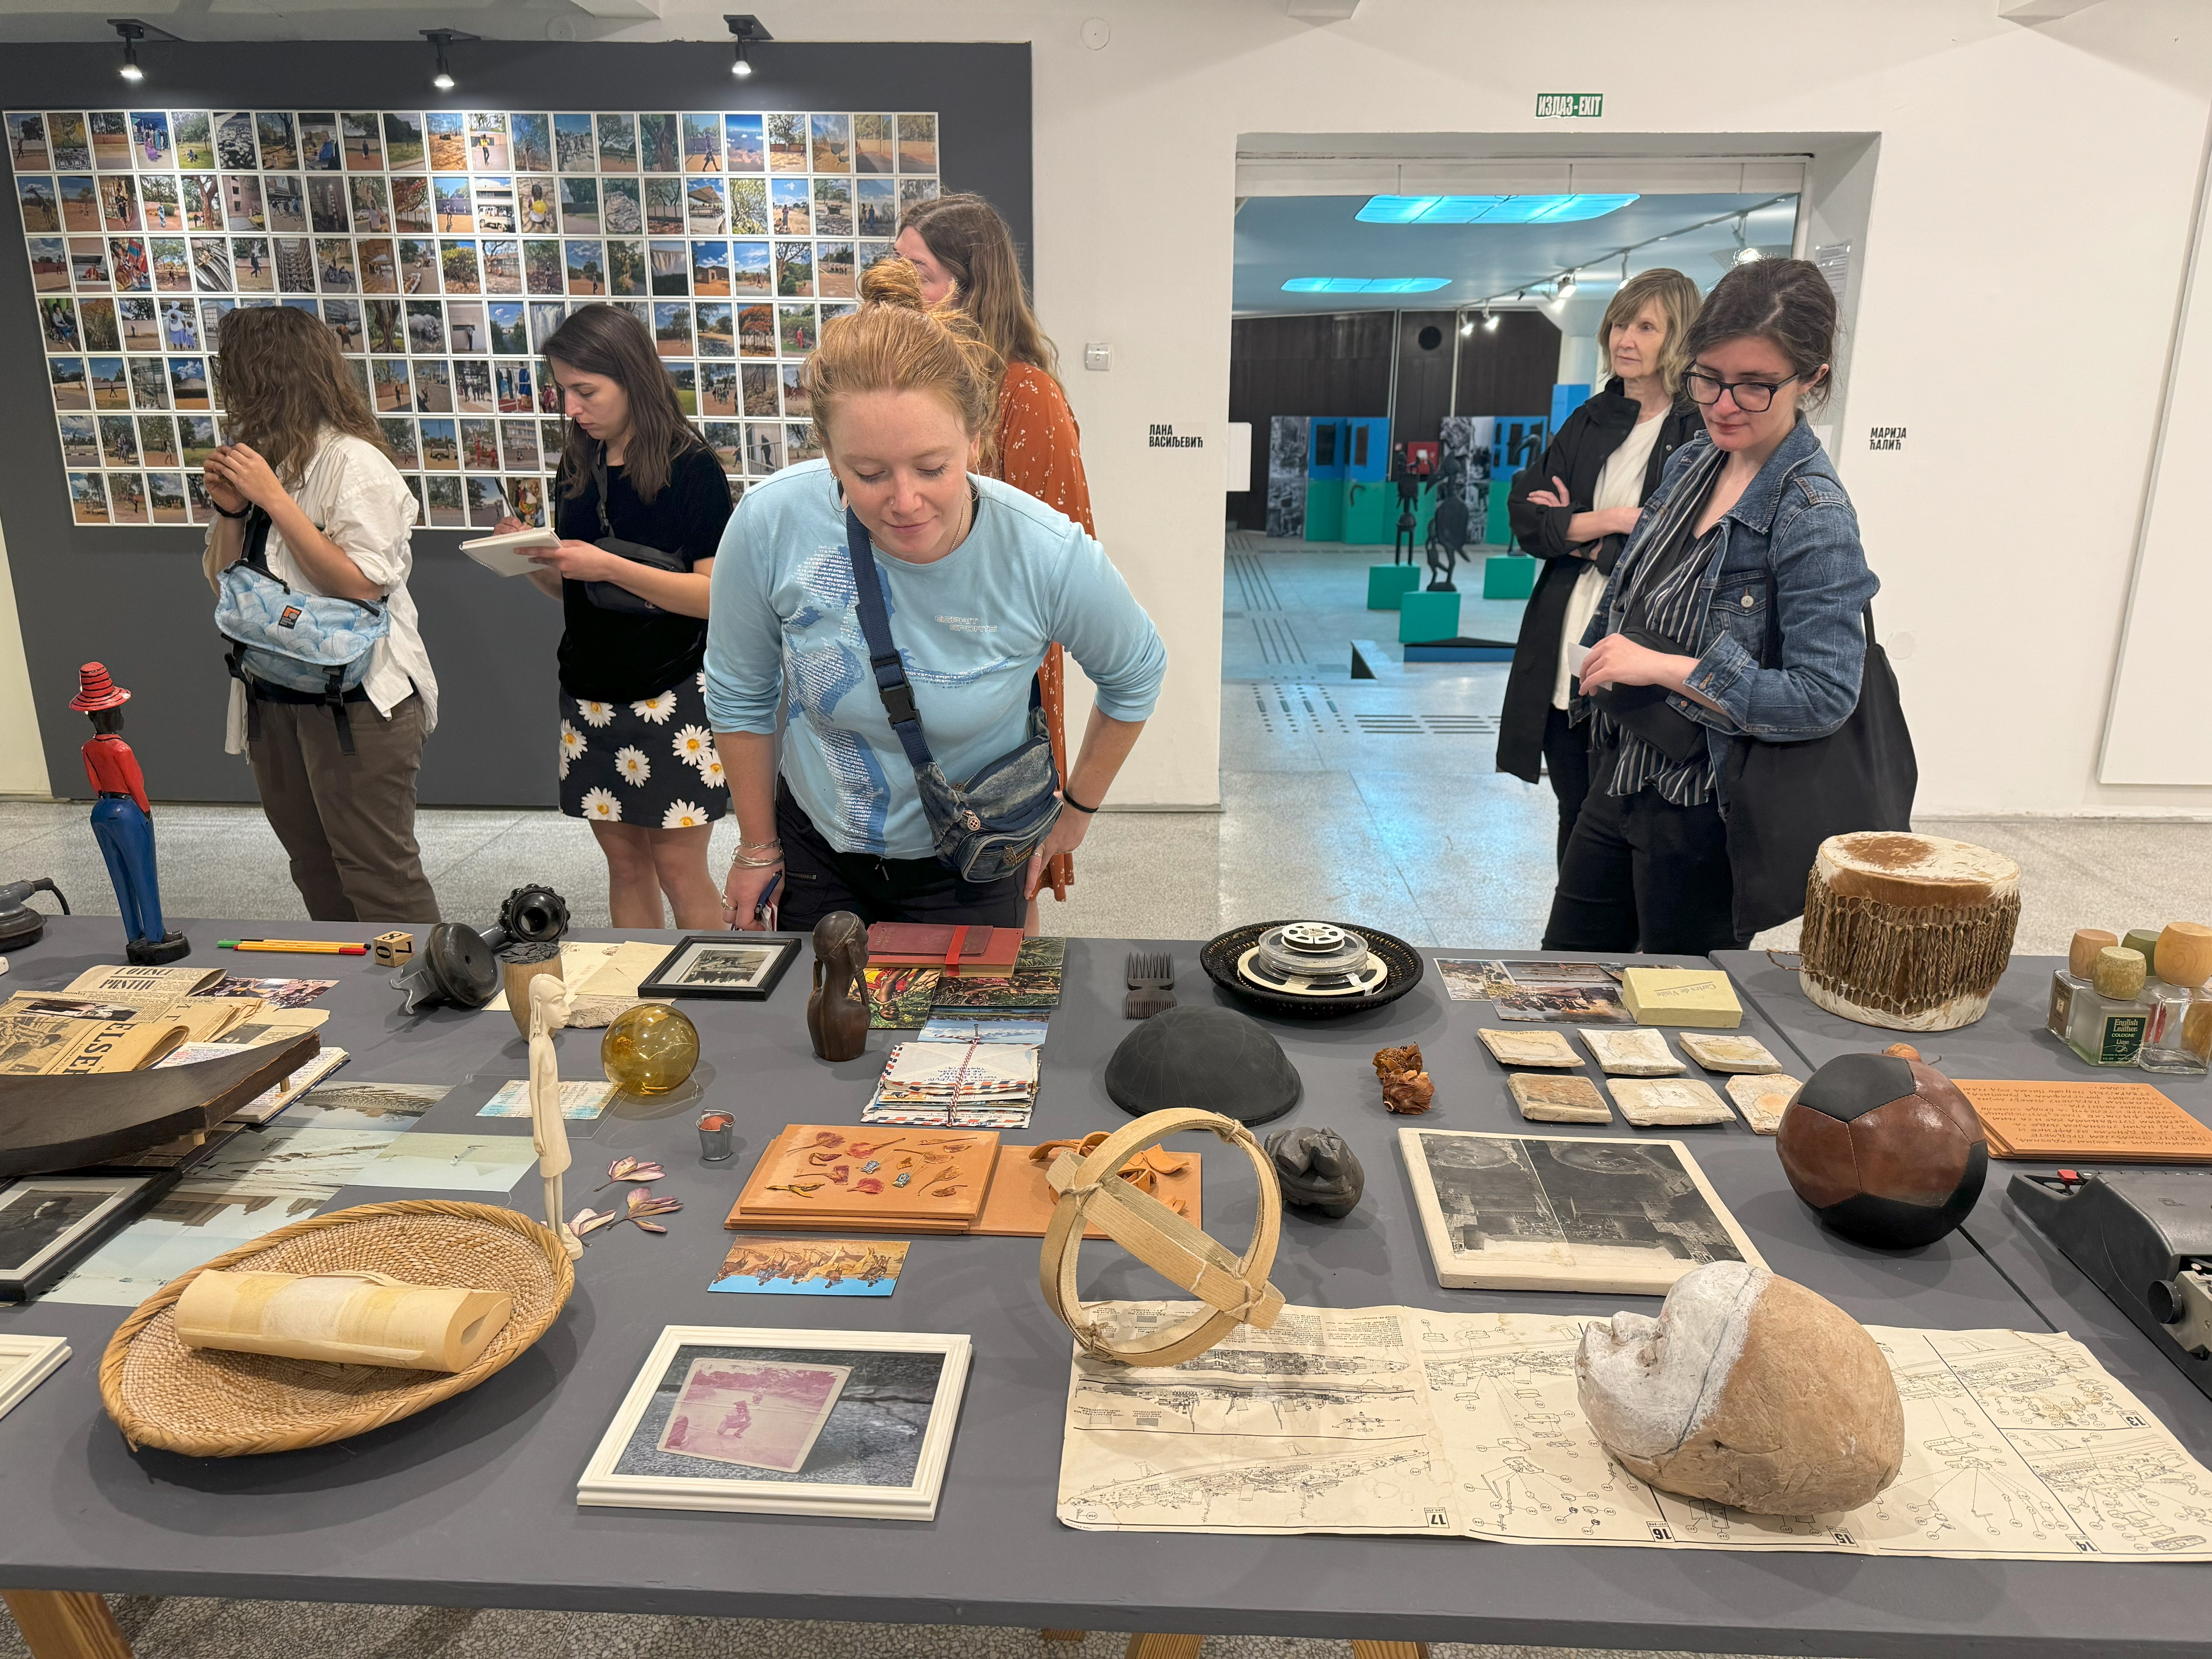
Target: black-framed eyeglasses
(1752, 397)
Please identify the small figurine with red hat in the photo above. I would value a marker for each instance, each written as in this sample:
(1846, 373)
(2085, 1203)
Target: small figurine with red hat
(122, 820)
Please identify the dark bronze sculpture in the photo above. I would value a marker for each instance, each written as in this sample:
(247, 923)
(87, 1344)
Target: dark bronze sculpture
(1316, 1171)
(837, 1010)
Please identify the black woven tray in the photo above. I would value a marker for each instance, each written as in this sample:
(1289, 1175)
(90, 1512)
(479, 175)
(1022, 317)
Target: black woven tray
(1218, 958)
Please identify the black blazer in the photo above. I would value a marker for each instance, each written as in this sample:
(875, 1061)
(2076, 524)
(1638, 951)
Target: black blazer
(1577, 453)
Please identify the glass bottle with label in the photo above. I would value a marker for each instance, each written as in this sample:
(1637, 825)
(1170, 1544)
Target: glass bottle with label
(2106, 1024)
(2081, 957)
(2178, 1039)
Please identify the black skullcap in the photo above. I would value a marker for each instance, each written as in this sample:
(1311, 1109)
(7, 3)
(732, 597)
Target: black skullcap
(1214, 1059)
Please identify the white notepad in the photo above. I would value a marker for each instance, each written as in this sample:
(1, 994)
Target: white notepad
(503, 554)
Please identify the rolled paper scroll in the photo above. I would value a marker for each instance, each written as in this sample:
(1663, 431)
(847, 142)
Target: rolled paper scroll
(347, 1318)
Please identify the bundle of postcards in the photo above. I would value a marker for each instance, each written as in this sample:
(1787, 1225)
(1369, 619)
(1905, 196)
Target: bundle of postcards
(968, 1085)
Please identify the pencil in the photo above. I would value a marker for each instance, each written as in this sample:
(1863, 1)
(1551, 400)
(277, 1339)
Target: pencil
(321, 947)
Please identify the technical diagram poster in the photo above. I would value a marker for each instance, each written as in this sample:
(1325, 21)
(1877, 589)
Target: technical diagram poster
(2018, 1446)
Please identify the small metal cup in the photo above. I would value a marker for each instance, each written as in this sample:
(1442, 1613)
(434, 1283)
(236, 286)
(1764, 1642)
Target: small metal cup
(717, 1136)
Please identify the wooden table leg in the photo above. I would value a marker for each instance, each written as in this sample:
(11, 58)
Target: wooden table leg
(1161, 1647)
(66, 1625)
(1389, 1650)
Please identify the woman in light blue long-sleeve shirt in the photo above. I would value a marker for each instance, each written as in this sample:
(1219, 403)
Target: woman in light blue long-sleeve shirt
(978, 578)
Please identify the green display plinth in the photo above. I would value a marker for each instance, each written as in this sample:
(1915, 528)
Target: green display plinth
(1370, 513)
(1427, 617)
(1498, 528)
(1387, 584)
(1325, 509)
(1508, 576)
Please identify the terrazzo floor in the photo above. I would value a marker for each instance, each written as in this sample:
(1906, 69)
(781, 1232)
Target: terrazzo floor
(1374, 798)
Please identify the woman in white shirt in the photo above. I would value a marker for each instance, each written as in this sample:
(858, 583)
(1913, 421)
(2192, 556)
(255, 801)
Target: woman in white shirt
(307, 455)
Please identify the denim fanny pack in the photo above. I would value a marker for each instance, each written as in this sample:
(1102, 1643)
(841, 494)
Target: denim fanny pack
(986, 828)
(289, 646)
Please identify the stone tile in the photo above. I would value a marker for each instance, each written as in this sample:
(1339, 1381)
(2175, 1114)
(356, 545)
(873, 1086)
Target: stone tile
(1142, 875)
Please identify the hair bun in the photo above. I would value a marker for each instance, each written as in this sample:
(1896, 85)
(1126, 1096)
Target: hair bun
(893, 282)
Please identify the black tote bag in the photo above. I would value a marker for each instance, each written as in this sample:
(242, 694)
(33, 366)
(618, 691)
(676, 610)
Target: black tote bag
(1785, 799)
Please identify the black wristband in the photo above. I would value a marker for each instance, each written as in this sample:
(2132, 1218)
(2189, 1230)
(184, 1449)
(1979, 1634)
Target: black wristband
(1068, 799)
(245, 512)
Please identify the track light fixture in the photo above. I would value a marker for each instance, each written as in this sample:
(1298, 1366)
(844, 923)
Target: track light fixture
(1466, 324)
(1563, 290)
(1745, 253)
(748, 32)
(440, 39)
(1489, 320)
(133, 31)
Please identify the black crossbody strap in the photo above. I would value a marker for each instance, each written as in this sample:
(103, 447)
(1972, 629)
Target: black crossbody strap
(883, 658)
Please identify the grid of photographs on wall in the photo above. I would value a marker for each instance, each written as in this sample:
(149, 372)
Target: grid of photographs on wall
(442, 248)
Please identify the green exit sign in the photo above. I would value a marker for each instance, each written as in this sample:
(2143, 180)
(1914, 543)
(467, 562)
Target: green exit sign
(1570, 106)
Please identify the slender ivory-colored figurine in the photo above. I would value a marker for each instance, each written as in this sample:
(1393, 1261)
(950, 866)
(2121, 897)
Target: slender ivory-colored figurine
(549, 1130)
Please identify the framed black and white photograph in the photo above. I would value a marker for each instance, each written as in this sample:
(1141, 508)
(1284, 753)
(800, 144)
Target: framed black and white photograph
(1581, 1212)
(742, 966)
(784, 1422)
(50, 1223)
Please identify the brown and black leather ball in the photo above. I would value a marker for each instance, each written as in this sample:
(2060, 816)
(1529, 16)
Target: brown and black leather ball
(1887, 1150)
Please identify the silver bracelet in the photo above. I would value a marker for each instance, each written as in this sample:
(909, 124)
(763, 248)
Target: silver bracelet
(769, 863)
(758, 845)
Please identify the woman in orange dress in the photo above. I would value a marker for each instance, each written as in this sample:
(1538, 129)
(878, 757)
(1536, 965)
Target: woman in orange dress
(964, 251)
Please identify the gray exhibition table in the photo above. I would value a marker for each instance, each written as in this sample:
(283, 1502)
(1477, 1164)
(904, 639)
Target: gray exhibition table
(472, 1503)
(2010, 1041)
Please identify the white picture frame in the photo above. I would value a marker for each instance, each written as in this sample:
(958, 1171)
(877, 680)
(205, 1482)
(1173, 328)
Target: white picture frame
(629, 1470)
(25, 1362)
(36, 1250)
(1453, 1192)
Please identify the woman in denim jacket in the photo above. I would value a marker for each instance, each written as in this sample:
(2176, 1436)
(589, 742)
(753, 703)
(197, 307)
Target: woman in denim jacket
(1750, 532)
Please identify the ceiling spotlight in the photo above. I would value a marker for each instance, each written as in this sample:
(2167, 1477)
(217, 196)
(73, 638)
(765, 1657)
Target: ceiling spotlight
(1466, 324)
(440, 39)
(1564, 290)
(1489, 319)
(1745, 253)
(748, 30)
(133, 31)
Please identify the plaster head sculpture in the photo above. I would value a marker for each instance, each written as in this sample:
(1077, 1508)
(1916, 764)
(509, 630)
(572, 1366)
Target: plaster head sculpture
(1748, 1390)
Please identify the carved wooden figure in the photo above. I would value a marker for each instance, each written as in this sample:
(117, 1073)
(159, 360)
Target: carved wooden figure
(838, 1010)
(548, 1131)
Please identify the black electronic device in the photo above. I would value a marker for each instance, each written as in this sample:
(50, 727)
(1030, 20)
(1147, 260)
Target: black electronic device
(2144, 1238)
(20, 924)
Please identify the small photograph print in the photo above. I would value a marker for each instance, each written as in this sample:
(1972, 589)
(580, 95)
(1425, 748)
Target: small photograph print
(57, 326)
(295, 259)
(480, 453)
(197, 435)
(671, 329)
(149, 139)
(380, 271)
(66, 374)
(334, 266)
(472, 393)
(532, 139)
(162, 206)
(327, 214)
(833, 207)
(280, 146)
(26, 144)
(188, 383)
(466, 331)
(537, 206)
(441, 438)
(372, 208)
(72, 144)
(518, 447)
(622, 207)
(659, 147)
(796, 333)
(760, 382)
(502, 265)
(80, 440)
(44, 1218)
(749, 207)
(35, 199)
(833, 270)
(580, 205)
(166, 498)
(875, 207)
(683, 382)
(917, 143)
(718, 388)
(361, 136)
(665, 213)
(545, 316)
(242, 209)
(80, 201)
(586, 264)
(750, 270)
(526, 499)
(582, 1103)
(794, 269)
(742, 142)
(510, 386)
(552, 443)
(833, 143)
(399, 434)
(764, 450)
(704, 212)
(234, 141)
(172, 265)
(453, 205)
(509, 338)
(118, 440)
(702, 142)
(413, 210)
(791, 206)
(786, 144)
(875, 145)
(126, 498)
(710, 269)
(1470, 981)
(576, 144)
(447, 140)
(195, 139)
(404, 147)
(102, 332)
(495, 204)
(149, 384)
(1559, 973)
(157, 440)
(459, 1164)
(366, 1105)
(111, 140)
(727, 439)
(388, 388)
(319, 142)
(457, 263)
(1568, 1005)
(755, 1413)
(342, 318)
(387, 329)
(418, 265)
(111, 383)
(617, 143)
(671, 265)
(128, 263)
(812, 1266)
(541, 268)
(88, 498)
(799, 443)
(916, 190)
(713, 966)
(88, 262)
(50, 268)
(626, 269)
(717, 330)
(756, 336)
(796, 402)
(447, 511)
(119, 203)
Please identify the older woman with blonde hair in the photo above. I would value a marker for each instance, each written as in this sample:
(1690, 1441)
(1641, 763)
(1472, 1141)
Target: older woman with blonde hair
(1574, 509)
(900, 606)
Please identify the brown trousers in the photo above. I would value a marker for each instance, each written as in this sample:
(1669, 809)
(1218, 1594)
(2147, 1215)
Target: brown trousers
(348, 821)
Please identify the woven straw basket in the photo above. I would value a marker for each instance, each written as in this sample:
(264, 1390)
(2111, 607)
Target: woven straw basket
(208, 1402)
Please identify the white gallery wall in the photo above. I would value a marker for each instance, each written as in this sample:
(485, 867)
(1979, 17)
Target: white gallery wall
(2016, 296)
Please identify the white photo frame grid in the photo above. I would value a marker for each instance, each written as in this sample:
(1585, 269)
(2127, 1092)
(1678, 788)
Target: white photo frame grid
(442, 248)
(629, 1470)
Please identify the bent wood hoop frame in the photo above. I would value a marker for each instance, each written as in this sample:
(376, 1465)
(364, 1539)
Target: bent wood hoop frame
(1092, 1193)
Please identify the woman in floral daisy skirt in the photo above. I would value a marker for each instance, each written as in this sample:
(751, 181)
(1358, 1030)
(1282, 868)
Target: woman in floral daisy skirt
(637, 759)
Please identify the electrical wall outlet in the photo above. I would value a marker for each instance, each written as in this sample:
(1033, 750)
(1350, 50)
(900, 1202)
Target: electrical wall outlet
(1097, 354)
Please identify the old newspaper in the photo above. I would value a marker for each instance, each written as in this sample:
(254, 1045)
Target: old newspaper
(44, 1045)
(2019, 1446)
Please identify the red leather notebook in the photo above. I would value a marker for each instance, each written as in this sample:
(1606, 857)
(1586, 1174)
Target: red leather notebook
(958, 950)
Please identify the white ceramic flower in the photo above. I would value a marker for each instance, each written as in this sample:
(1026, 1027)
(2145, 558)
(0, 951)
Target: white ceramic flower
(595, 713)
(656, 709)
(694, 745)
(683, 815)
(633, 766)
(601, 804)
(573, 744)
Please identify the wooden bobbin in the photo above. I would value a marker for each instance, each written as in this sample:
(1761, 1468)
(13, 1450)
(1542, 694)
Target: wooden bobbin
(1091, 1194)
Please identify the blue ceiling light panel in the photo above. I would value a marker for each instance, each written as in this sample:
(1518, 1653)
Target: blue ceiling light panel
(1366, 284)
(1489, 209)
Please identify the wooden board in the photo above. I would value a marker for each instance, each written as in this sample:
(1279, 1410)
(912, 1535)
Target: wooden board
(1021, 1198)
(2093, 1123)
(791, 1160)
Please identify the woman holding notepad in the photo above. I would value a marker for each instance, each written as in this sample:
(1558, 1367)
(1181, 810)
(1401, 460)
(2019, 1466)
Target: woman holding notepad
(638, 508)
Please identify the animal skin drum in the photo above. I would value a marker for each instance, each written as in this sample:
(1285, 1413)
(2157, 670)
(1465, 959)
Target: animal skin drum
(1910, 932)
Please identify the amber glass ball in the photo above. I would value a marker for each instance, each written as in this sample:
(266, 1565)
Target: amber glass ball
(649, 1049)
